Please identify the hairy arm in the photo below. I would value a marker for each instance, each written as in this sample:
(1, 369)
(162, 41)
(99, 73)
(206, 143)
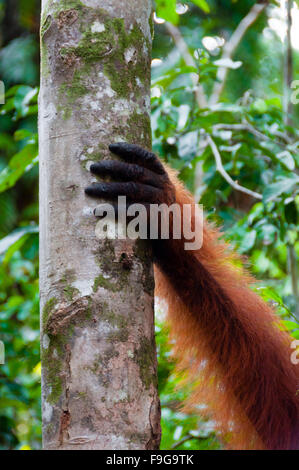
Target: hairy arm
(225, 335)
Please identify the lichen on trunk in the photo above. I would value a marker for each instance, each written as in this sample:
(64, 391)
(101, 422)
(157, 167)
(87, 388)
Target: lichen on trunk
(99, 381)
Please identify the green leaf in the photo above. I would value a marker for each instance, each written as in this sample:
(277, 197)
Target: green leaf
(23, 98)
(290, 325)
(202, 4)
(17, 166)
(21, 134)
(167, 79)
(255, 212)
(284, 185)
(269, 294)
(7, 242)
(19, 99)
(287, 160)
(248, 241)
(267, 232)
(260, 106)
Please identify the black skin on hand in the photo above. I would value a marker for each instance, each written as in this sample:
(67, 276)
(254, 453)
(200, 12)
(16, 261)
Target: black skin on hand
(141, 177)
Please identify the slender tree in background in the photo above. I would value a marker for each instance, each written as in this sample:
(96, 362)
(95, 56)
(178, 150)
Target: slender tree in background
(99, 382)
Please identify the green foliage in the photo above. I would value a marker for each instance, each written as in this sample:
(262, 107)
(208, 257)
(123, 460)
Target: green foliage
(180, 430)
(20, 420)
(20, 376)
(19, 296)
(167, 9)
(17, 61)
(202, 4)
(258, 150)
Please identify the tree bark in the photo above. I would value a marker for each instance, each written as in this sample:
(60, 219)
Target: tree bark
(99, 382)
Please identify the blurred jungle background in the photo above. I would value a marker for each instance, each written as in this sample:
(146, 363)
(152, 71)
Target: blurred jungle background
(234, 139)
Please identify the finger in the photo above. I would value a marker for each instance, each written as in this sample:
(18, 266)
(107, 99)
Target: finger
(133, 191)
(135, 154)
(127, 172)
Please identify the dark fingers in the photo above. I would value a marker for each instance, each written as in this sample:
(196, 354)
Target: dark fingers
(134, 154)
(133, 191)
(127, 172)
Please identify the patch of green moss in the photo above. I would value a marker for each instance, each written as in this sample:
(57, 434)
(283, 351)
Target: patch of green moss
(70, 292)
(45, 25)
(45, 68)
(110, 46)
(151, 25)
(69, 276)
(112, 268)
(66, 113)
(101, 281)
(139, 127)
(65, 5)
(124, 75)
(91, 48)
(144, 357)
(52, 361)
(45, 13)
(96, 156)
(72, 92)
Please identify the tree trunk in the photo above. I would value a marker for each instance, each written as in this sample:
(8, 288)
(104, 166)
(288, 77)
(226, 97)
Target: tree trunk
(99, 383)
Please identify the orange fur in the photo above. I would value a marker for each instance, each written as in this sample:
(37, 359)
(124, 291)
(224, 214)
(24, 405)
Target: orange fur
(229, 341)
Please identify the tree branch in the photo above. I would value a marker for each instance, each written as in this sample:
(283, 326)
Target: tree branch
(230, 48)
(188, 437)
(225, 175)
(246, 126)
(183, 49)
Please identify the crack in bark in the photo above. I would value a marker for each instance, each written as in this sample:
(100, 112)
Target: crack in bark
(154, 420)
(65, 418)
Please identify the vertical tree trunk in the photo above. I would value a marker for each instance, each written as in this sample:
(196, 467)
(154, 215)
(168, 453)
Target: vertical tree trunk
(99, 383)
